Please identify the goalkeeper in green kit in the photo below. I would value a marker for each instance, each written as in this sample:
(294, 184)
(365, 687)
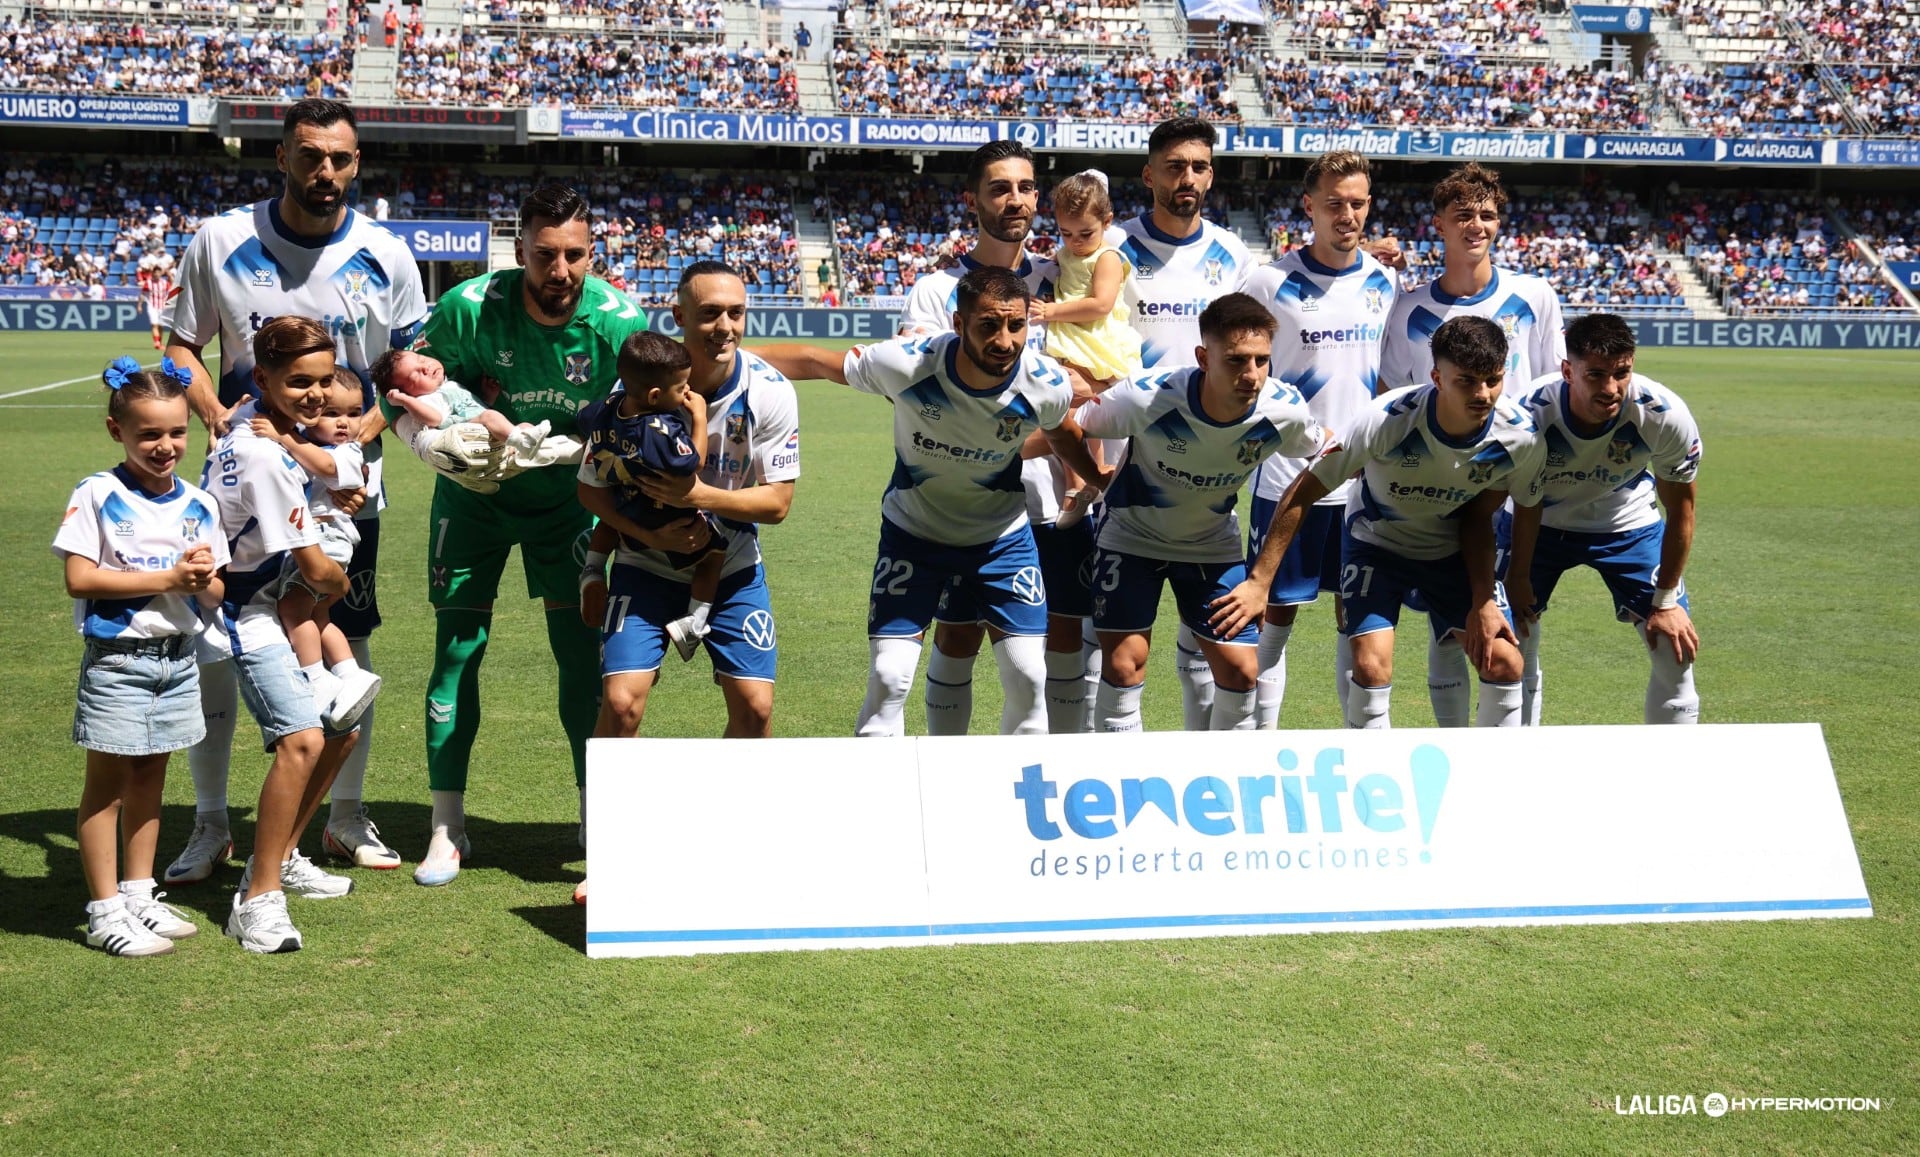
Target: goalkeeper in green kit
(535, 343)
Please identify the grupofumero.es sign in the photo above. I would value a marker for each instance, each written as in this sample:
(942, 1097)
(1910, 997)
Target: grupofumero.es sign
(708, 846)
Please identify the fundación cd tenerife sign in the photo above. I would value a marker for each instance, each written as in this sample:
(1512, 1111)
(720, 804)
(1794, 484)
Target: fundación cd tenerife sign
(705, 846)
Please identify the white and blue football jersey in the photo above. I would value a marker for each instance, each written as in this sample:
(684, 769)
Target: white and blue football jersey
(1524, 306)
(1174, 280)
(753, 437)
(121, 527)
(1415, 479)
(957, 467)
(261, 494)
(1603, 482)
(1327, 345)
(245, 267)
(1175, 496)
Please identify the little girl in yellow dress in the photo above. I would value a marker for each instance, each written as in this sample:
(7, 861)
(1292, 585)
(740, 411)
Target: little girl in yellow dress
(1087, 319)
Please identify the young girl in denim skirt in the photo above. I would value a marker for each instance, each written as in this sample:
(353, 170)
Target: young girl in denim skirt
(143, 553)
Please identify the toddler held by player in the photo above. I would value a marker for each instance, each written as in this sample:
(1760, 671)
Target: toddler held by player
(143, 553)
(653, 424)
(1087, 318)
(329, 451)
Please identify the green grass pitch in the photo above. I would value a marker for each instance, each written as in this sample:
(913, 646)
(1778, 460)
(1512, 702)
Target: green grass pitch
(467, 1019)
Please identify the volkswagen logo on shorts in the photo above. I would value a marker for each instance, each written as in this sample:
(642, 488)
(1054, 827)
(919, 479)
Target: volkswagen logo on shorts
(758, 630)
(580, 547)
(360, 590)
(1028, 588)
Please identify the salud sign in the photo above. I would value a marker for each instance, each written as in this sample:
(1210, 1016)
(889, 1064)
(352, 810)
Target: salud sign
(719, 846)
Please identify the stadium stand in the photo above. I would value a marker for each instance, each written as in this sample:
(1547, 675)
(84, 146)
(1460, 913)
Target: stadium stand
(1131, 87)
(1511, 27)
(479, 67)
(984, 24)
(1460, 93)
(1776, 253)
(679, 17)
(39, 55)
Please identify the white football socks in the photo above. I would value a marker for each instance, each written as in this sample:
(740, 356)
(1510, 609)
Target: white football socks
(1118, 708)
(887, 684)
(1367, 707)
(1233, 710)
(1500, 705)
(1447, 685)
(1023, 679)
(1196, 681)
(1066, 692)
(1272, 685)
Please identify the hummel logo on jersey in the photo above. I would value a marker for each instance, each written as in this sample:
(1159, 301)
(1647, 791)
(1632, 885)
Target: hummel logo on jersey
(1556, 458)
(123, 527)
(1009, 428)
(1176, 445)
(1309, 304)
(930, 411)
(1408, 461)
(579, 368)
(1479, 473)
(263, 278)
(503, 358)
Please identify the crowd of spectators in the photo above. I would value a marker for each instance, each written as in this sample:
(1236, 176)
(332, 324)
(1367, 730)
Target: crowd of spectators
(66, 56)
(1773, 252)
(989, 21)
(93, 227)
(891, 230)
(478, 67)
(1445, 93)
(1132, 87)
(1740, 99)
(1371, 27)
(675, 16)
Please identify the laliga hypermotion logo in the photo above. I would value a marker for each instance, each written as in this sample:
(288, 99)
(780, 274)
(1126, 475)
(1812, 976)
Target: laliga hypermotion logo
(1320, 802)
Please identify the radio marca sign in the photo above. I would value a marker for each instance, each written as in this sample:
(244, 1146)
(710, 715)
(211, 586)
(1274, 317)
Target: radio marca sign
(709, 846)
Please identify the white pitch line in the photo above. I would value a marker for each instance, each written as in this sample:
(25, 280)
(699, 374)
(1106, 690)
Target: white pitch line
(69, 406)
(57, 385)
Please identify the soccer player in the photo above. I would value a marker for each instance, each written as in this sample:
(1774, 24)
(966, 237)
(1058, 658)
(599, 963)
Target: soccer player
(541, 342)
(963, 405)
(752, 462)
(1467, 206)
(1615, 442)
(1181, 263)
(1334, 296)
(1003, 194)
(1436, 462)
(307, 254)
(1194, 436)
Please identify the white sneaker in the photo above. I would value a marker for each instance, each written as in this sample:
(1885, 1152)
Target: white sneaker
(686, 639)
(356, 841)
(441, 864)
(122, 935)
(207, 847)
(161, 919)
(261, 924)
(300, 876)
(325, 686)
(357, 689)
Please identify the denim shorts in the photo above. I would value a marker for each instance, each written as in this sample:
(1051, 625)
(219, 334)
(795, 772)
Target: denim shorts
(138, 698)
(275, 692)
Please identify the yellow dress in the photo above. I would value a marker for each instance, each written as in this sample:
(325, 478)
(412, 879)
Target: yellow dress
(1110, 347)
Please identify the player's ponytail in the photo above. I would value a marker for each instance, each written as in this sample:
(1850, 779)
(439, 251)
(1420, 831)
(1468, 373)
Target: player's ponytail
(127, 383)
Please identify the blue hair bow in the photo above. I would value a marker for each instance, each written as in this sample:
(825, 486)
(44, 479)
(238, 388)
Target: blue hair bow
(118, 371)
(178, 373)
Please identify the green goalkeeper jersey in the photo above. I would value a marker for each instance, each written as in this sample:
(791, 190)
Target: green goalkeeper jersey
(544, 373)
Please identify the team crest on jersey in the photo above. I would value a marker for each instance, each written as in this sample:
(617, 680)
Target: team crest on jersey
(1214, 270)
(579, 368)
(357, 284)
(1376, 301)
(1479, 473)
(1009, 428)
(1620, 451)
(736, 427)
(190, 528)
(1510, 325)
(1249, 452)
(503, 358)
